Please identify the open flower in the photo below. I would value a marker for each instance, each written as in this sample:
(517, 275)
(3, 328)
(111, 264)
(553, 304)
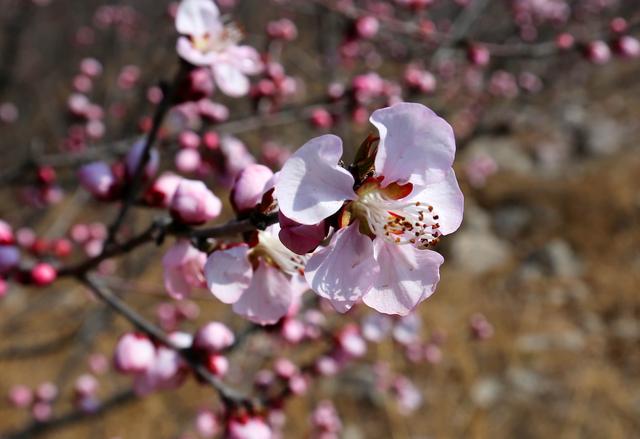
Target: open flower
(405, 198)
(262, 282)
(207, 41)
(183, 265)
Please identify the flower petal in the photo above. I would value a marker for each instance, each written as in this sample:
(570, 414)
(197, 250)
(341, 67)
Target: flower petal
(447, 200)
(197, 17)
(311, 186)
(186, 51)
(230, 79)
(228, 273)
(268, 297)
(246, 59)
(343, 271)
(416, 145)
(407, 277)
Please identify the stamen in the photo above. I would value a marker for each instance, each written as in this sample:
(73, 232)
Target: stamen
(398, 221)
(270, 247)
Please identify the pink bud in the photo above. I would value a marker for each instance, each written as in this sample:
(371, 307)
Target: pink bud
(134, 353)
(217, 364)
(162, 190)
(565, 41)
(188, 160)
(135, 155)
(285, 368)
(214, 337)
(193, 203)
(252, 428)
(20, 396)
(627, 46)
(283, 29)
(292, 331)
(478, 55)
(321, 118)
(207, 424)
(6, 233)
(98, 179)
(91, 67)
(42, 411)
(86, 385)
(300, 238)
(598, 52)
(249, 187)
(367, 26)
(47, 392)
(9, 258)
(188, 139)
(200, 83)
(298, 384)
(43, 274)
(351, 342)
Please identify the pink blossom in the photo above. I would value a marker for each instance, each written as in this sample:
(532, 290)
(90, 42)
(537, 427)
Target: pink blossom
(249, 187)
(263, 291)
(380, 254)
(98, 179)
(252, 428)
(165, 372)
(193, 203)
(183, 269)
(214, 337)
(326, 419)
(134, 353)
(206, 41)
(6, 233)
(188, 160)
(86, 385)
(20, 396)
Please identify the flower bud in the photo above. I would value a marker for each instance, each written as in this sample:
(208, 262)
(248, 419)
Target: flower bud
(43, 274)
(217, 364)
(6, 233)
(135, 155)
(162, 190)
(249, 187)
(478, 55)
(9, 258)
(598, 52)
(134, 353)
(193, 203)
(367, 26)
(251, 428)
(98, 179)
(214, 337)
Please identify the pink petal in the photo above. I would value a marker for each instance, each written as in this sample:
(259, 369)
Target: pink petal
(268, 297)
(197, 17)
(343, 271)
(300, 238)
(228, 273)
(246, 59)
(416, 145)
(230, 79)
(407, 277)
(447, 200)
(311, 186)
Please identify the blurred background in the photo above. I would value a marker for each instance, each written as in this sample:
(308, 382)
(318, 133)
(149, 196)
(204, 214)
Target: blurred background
(535, 327)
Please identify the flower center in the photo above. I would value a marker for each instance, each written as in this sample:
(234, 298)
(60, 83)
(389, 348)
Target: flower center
(230, 35)
(274, 252)
(398, 221)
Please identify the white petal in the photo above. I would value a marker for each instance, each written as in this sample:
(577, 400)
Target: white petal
(268, 297)
(228, 273)
(343, 271)
(197, 17)
(416, 145)
(407, 277)
(311, 186)
(447, 200)
(230, 79)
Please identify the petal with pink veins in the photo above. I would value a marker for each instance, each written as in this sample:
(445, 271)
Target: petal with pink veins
(416, 145)
(268, 297)
(311, 186)
(228, 273)
(343, 271)
(407, 277)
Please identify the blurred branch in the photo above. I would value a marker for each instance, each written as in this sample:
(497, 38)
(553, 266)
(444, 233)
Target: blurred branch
(229, 396)
(39, 428)
(164, 226)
